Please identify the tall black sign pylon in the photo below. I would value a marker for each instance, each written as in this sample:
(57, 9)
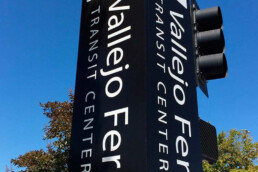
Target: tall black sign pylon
(135, 98)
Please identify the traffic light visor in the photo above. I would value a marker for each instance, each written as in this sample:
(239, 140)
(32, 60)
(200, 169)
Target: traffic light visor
(208, 19)
(211, 42)
(213, 66)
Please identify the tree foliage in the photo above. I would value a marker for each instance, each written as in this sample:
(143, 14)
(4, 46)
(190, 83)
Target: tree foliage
(237, 153)
(58, 134)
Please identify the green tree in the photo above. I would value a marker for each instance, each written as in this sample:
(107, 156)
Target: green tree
(58, 134)
(237, 153)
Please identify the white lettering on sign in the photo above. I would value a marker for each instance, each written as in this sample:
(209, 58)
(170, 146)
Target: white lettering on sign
(177, 72)
(114, 159)
(115, 113)
(111, 135)
(86, 167)
(183, 121)
(117, 33)
(113, 138)
(161, 115)
(183, 2)
(184, 146)
(93, 44)
(182, 142)
(90, 97)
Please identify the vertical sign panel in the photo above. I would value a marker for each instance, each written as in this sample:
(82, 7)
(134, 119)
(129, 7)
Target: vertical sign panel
(135, 98)
(109, 123)
(173, 127)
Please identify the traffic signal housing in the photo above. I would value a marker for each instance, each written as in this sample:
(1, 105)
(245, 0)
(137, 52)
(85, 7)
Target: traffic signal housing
(209, 146)
(209, 45)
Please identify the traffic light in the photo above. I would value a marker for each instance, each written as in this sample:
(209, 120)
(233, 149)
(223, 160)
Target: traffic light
(209, 42)
(209, 146)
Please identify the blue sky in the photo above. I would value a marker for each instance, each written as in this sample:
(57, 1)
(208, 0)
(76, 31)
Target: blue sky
(39, 43)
